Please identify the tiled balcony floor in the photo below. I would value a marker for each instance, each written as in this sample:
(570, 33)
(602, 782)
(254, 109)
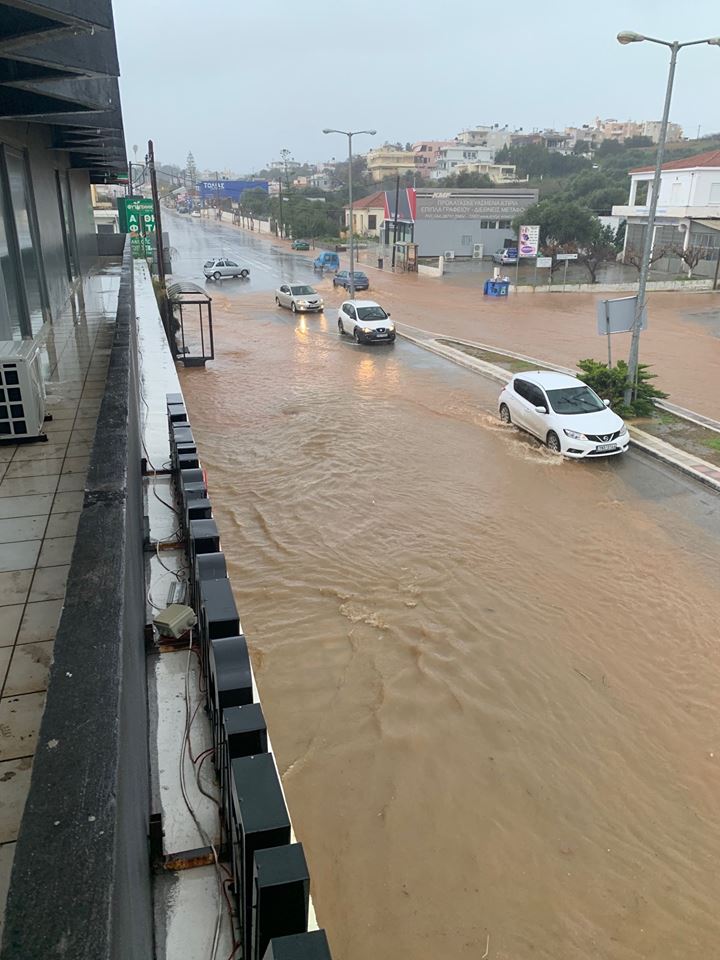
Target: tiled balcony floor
(41, 495)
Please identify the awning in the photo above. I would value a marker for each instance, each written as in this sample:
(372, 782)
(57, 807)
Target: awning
(59, 67)
(710, 224)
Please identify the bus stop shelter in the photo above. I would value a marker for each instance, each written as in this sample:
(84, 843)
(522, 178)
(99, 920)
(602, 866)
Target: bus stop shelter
(191, 320)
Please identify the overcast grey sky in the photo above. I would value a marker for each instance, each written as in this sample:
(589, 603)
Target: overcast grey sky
(235, 81)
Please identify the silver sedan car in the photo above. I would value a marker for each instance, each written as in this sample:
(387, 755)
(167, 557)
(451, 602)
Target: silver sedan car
(222, 267)
(298, 297)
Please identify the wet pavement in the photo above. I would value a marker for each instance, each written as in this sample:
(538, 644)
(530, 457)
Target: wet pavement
(490, 675)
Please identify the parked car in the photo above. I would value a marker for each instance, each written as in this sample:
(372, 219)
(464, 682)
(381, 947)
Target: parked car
(342, 279)
(300, 245)
(298, 297)
(224, 268)
(365, 321)
(326, 261)
(508, 255)
(564, 413)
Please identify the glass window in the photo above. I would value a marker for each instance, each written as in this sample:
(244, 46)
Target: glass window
(504, 224)
(466, 240)
(68, 226)
(575, 400)
(10, 310)
(521, 387)
(488, 224)
(24, 214)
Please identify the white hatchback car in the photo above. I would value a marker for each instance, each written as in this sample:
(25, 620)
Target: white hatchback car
(298, 297)
(224, 268)
(564, 413)
(366, 321)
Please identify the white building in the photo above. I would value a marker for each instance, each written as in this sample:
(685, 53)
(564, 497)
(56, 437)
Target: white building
(688, 211)
(459, 155)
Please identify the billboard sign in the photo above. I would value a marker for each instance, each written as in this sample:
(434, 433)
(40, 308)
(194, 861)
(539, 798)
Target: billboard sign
(529, 241)
(544, 263)
(446, 205)
(136, 215)
(228, 189)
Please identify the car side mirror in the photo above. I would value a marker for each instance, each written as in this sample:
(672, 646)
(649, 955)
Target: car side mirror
(606, 402)
(388, 312)
(540, 409)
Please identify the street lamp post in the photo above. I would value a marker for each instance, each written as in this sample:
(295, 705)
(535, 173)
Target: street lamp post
(625, 37)
(350, 134)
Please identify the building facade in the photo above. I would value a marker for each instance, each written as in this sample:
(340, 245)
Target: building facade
(688, 210)
(60, 130)
(368, 215)
(389, 161)
(464, 222)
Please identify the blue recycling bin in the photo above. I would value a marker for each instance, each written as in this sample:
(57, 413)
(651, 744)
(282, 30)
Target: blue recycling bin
(496, 288)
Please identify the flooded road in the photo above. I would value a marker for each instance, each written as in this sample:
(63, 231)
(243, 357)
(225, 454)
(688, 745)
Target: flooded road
(491, 677)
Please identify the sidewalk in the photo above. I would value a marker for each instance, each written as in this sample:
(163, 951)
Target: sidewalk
(690, 465)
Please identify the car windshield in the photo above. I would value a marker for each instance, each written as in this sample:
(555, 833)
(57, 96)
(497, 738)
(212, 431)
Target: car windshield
(301, 291)
(575, 400)
(371, 313)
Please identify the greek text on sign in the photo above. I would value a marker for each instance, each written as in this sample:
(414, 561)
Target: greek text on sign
(469, 208)
(544, 263)
(566, 256)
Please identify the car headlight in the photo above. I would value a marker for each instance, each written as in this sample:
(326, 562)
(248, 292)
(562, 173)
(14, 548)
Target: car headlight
(623, 430)
(574, 435)
(302, 303)
(366, 330)
(391, 327)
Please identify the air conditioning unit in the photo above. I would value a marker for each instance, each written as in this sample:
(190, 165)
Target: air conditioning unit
(22, 393)
(477, 251)
(449, 255)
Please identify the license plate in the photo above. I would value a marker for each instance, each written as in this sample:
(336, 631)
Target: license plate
(606, 446)
(380, 335)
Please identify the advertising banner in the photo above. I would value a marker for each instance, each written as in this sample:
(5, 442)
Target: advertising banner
(229, 189)
(529, 241)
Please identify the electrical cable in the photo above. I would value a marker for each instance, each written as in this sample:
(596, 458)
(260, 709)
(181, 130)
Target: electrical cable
(183, 787)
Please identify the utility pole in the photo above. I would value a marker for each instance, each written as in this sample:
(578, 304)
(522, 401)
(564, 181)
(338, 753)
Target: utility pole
(395, 220)
(159, 241)
(280, 213)
(285, 156)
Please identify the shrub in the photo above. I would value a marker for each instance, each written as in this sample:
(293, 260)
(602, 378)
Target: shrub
(610, 382)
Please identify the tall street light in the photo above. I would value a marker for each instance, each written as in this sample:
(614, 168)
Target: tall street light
(350, 134)
(625, 37)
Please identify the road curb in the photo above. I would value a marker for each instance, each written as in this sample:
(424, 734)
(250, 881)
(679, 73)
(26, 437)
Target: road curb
(691, 466)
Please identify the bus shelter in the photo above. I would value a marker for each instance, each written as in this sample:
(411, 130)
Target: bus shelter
(191, 323)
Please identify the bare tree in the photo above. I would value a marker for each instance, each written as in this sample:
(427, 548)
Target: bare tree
(690, 256)
(633, 257)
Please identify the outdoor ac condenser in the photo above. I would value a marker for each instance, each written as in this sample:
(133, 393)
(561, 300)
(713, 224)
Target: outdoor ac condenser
(22, 394)
(477, 251)
(449, 255)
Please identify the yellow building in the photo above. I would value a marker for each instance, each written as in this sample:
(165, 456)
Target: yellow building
(388, 161)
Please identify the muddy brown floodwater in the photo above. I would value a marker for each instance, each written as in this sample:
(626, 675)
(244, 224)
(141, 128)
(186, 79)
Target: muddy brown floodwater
(491, 677)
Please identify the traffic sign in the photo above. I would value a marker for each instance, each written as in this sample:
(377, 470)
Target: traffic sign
(544, 263)
(136, 215)
(566, 256)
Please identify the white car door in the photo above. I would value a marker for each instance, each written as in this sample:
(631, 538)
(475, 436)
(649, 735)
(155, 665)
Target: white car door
(537, 423)
(348, 318)
(284, 295)
(232, 269)
(518, 402)
(219, 268)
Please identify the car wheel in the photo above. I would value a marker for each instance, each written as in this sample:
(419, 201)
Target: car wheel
(505, 414)
(244, 273)
(356, 335)
(293, 307)
(341, 328)
(217, 275)
(277, 301)
(553, 442)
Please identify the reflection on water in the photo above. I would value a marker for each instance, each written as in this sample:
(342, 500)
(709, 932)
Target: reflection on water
(491, 677)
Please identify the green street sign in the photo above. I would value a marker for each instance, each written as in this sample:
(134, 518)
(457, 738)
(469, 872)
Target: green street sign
(136, 216)
(140, 247)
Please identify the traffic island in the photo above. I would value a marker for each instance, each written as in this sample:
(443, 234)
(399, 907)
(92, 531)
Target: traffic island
(687, 441)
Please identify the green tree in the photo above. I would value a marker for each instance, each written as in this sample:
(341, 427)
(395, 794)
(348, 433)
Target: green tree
(598, 250)
(467, 179)
(610, 382)
(639, 141)
(560, 221)
(191, 172)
